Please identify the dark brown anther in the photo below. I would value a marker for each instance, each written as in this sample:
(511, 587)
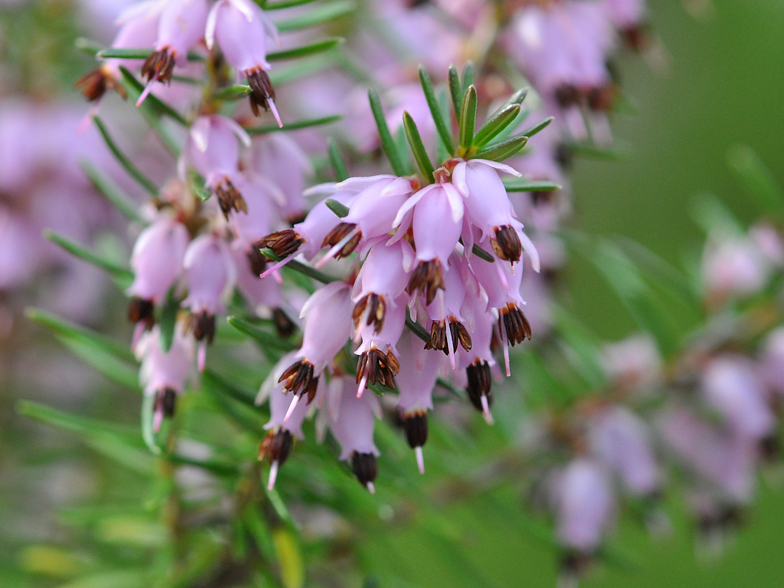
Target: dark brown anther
(428, 279)
(480, 383)
(512, 320)
(567, 95)
(575, 564)
(770, 448)
(202, 324)
(283, 324)
(378, 367)
(416, 428)
(141, 311)
(229, 198)
(165, 402)
(159, 66)
(338, 234)
(365, 469)
(276, 446)
(458, 333)
(376, 308)
(564, 155)
(637, 38)
(96, 83)
(542, 197)
(299, 378)
(283, 243)
(261, 90)
(257, 261)
(506, 244)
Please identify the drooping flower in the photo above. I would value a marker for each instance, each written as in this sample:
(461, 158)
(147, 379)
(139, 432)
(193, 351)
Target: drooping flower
(210, 275)
(241, 28)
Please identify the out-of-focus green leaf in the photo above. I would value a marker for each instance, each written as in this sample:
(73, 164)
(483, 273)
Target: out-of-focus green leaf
(113, 194)
(124, 160)
(503, 150)
(116, 579)
(757, 180)
(384, 135)
(292, 569)
(83, 253)
(455, 91)
(168, 322)
(580, 347)
(51, 561)
(435, 110)
(305, 50)
(316, 16)
(283, 4)
(338, 166)
(133, 530)
(713, 216)
(523, 185)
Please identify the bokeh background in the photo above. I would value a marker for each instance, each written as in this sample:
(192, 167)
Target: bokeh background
(723, 87)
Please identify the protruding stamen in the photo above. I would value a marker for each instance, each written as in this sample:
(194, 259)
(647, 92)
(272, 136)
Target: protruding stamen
(420, 457)
(486, 410)
(273, 475)
(371, 487)
(506, 244)
(375, 367)
(300, 378)
(202, 355)
(344, 238)
(365, 469)
(229, 198)
(282, 243)
(292, 406)
(428, 279)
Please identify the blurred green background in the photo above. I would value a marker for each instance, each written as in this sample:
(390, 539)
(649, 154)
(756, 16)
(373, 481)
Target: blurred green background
(724, 86)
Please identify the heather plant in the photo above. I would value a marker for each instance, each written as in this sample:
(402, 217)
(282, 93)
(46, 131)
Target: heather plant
(346, 225)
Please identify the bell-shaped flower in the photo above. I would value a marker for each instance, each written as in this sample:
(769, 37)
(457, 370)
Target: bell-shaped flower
(157, 262)
(181, 27)
(351, 420)
(138, 28)
(163, 374)
(487, 205)
(210, 275)
(731, 385)
(447, 328)
(435, 215)
(415, 382)
(251, 226)
(327, 315)
(276, 446)
(622, 441)
(241, 28)
(381, 281)
(584, 504)
(371, 213)
(213, 151)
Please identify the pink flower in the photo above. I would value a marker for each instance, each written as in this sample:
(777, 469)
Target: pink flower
(351, 420)
(210, 275)
(212, 149)
(241, 29)
(164, 373)
(157, 262)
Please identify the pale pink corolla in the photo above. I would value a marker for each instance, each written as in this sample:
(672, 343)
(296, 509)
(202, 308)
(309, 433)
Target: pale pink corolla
(157, 259)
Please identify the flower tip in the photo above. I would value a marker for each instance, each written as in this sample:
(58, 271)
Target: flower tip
(420, 457)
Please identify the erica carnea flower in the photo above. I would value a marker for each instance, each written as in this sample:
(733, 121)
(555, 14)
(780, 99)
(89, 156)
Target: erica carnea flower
(157, 263)
(209, 275)
(241, 28)
(181, 27)
(164, 373)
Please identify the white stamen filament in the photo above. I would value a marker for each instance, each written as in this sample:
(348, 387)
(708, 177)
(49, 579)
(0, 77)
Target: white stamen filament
(292, 406)
(273, 475)
(486, 410)
(420, 457)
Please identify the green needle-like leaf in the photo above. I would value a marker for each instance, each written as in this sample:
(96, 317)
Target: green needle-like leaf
(504, 150)
(316, 47)
(147, 418)
(168, 322)
(540, 126)
(136, 88)
(383, 132)
(82, 252)
(455, 91)
(468, 78)
(233, 92)
(283, 4)
(293, 126)
(521, 185)
(482, 254)
(435, 110)
(317, 16)
(497, 124)
(137, 53)
(338, 165)
(468, 118)
(418, 147)
(300, 267)
(264, 338)
(338, 208)
(129, 166)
